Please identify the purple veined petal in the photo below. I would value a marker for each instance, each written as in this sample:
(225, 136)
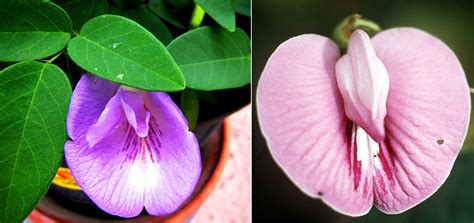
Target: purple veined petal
(364, 84)
(428, 110)
(180, 156)
(87, 103)
(302, 117)
(110, 118)
(134, 108)
(123, 173)
(159, 102)
(104, 172)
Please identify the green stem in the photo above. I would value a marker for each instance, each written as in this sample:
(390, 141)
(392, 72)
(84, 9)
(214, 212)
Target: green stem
(197, 17)
(55, 57)
(344, 30)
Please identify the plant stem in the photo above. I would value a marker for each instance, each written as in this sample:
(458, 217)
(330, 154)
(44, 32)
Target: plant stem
(344, 30)
(55, 57)
(197, 17)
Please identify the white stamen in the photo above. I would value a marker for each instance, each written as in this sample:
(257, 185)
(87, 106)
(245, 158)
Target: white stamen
(362, 147)
(367, 148)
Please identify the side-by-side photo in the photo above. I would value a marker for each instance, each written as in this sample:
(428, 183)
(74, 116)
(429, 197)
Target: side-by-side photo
(125, 111)
(361, 111)
(236, 111)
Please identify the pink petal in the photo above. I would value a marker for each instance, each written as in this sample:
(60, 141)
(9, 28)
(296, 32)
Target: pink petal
(302, 117)
(364, 83)
(87, 103)
(428, 110)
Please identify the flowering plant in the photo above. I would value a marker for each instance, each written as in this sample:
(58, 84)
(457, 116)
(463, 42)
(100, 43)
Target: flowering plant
(379, 125)
(130, 146)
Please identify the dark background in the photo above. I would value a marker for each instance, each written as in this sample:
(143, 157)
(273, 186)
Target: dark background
(275, 197)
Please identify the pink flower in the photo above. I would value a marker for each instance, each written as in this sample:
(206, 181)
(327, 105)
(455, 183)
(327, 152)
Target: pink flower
(381, 125)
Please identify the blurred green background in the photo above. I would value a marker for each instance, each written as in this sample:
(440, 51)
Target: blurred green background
(275, 198)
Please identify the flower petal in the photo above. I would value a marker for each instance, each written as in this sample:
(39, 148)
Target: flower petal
(109, 119)
(364, 83)
(134, 108)
(123, 171)
(428, 109)
(87, 103)
(105, 174)
(180, 158)
(302, 117)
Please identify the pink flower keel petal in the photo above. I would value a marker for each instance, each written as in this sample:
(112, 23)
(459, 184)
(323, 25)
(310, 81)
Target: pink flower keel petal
(364, 84)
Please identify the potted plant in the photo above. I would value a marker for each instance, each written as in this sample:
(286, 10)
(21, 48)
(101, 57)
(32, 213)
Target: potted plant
(126, 98)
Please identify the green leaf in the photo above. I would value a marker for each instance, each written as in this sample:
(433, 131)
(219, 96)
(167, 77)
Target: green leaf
(167, 12)
(120, 50)
(213, 59)
(81, 11)
(34, 99)
(147, 19)
(190, 107)
(32, 31)
(242, 7)
(220, 10)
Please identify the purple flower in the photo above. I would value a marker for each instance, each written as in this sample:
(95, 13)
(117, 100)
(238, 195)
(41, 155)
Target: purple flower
(130, 148)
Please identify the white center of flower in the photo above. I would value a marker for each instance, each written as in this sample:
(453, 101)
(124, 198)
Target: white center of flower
(144, 172)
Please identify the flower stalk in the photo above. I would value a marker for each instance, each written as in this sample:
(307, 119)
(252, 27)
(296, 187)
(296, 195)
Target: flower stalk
(344, 30)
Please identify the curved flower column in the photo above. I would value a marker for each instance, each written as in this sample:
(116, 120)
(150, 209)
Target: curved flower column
(381, 125)
(130, 149)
